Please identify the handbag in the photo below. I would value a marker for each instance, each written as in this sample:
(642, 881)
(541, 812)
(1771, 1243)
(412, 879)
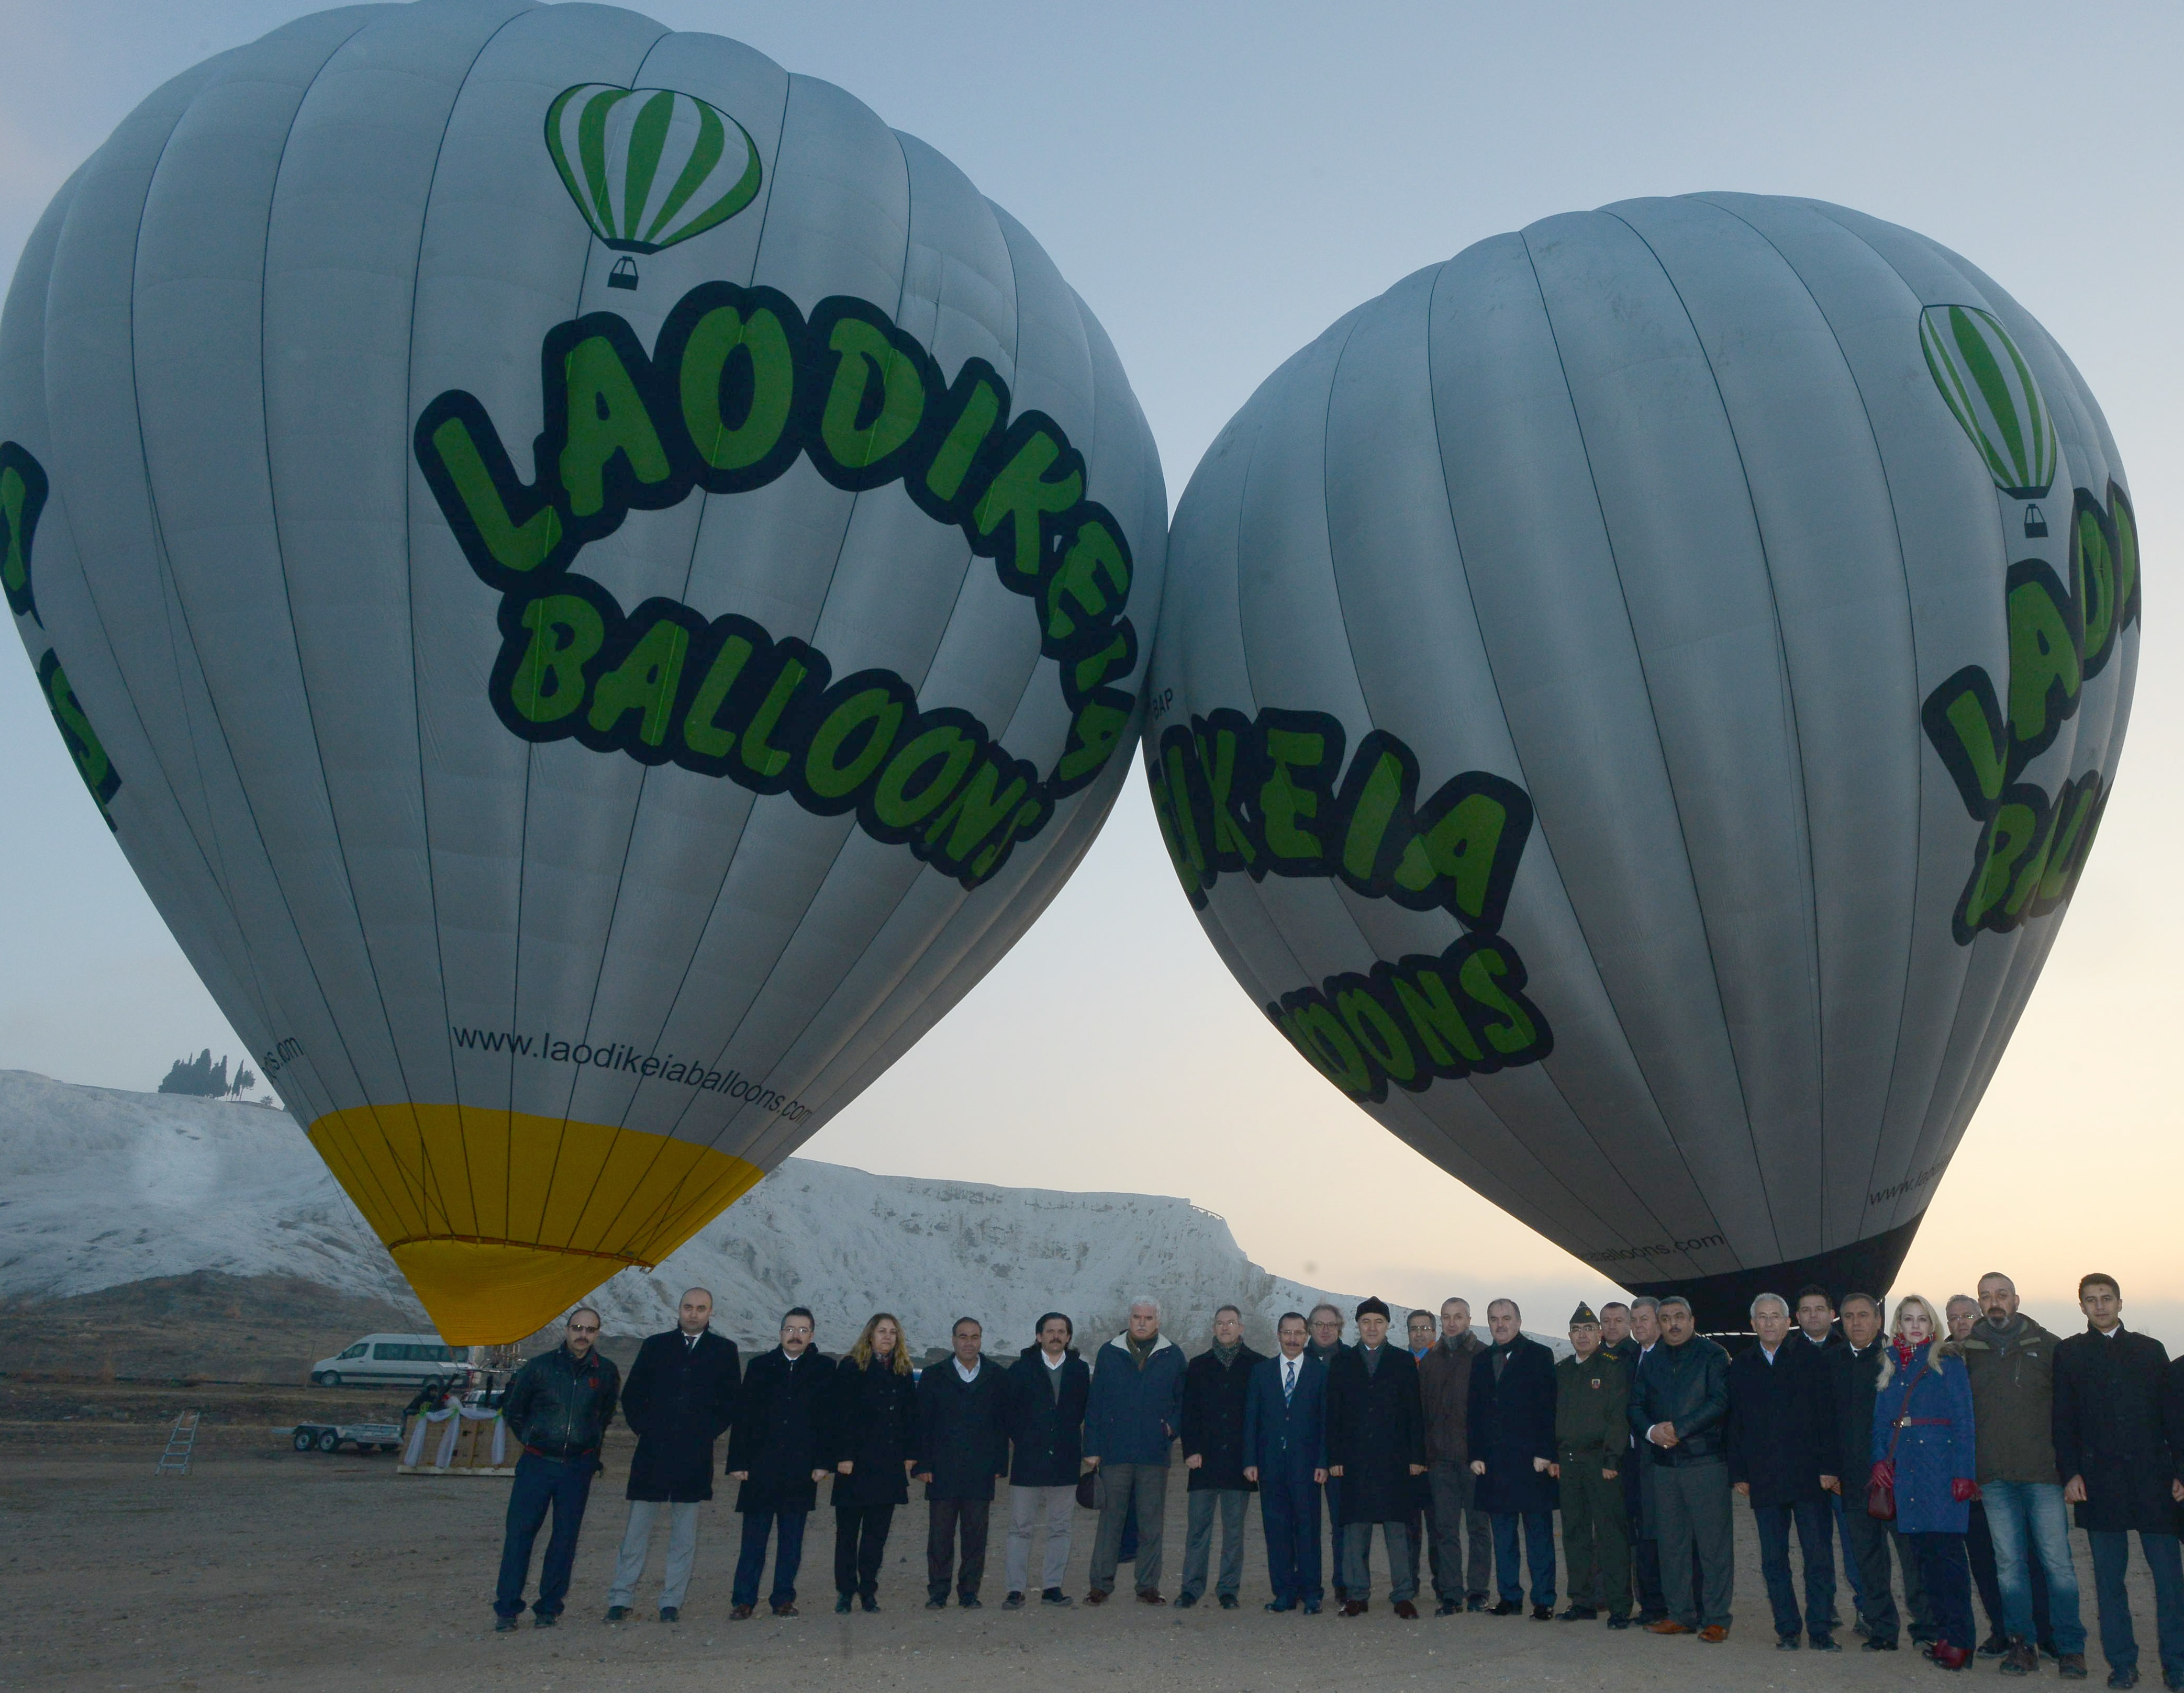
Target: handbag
(1088, 1490)
(1880, 1485)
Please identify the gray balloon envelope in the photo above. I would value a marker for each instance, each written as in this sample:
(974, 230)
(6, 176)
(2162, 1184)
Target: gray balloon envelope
(1630, 703)
(596, 616)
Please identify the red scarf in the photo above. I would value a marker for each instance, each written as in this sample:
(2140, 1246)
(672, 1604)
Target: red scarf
(1906, 1353)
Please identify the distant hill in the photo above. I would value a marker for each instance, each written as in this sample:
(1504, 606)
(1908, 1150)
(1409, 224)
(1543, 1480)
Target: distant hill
(102, 1189)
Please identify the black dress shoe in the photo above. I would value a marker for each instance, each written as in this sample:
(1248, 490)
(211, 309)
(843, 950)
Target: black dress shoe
(870, 1601)
(841, 1604)
(1507, 1608)
(1447, 1607)
(1877, 1643)
(671, 1613)
(1184, 1602)
(1996, 1645)
(1787, 1643)
(936, 1604)
(547, 1619)
(1825, 1643)
(1013, 1603)
(1054, 1596)
(1228, 1601)
(1543, 1613)
(617, 1613)
(969, 1602)
(1311, 1607)
(1474, 1601)
(1281, 1604)
(504, 1625)
(2124, 1677)
(1619, 1622)
(1580, 1613)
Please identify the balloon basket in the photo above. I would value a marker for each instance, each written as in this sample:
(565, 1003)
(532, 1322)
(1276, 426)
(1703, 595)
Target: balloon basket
(624, 274)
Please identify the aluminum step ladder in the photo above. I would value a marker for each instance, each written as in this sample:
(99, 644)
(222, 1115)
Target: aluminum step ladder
(181, 1442)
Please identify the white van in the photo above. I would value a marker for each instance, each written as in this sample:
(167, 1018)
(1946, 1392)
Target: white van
(393, 1360)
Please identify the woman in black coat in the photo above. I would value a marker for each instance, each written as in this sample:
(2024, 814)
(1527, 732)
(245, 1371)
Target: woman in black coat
(875, 1443)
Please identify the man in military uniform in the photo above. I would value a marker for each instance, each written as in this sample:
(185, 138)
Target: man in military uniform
(1592, 1439)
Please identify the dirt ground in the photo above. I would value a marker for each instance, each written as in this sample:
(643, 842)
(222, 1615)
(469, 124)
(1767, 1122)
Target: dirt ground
(265, 1567)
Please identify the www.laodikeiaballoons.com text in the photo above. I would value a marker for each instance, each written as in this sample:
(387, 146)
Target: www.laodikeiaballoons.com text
(621, 1057)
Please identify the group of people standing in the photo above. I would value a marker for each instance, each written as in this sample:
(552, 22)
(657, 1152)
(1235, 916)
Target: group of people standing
(1944, 1452)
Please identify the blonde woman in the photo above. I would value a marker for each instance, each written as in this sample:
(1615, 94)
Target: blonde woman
(875, 1446)
(1923, 1447)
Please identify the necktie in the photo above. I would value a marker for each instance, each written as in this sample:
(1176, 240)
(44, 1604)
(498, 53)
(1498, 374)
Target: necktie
(1289, 1379)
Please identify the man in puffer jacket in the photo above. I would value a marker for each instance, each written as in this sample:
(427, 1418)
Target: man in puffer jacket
(559, 1406)
(1131, 1420)
(1680, 1408)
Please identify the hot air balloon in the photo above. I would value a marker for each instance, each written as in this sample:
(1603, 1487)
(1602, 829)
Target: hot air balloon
(581, 737)
(1619, 708)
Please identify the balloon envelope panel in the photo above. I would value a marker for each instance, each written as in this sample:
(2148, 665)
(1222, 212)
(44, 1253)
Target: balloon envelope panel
(1630, 704)
(598, 586)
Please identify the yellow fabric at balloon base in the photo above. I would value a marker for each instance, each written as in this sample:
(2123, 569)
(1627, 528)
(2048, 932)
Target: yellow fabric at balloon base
(501, 1220)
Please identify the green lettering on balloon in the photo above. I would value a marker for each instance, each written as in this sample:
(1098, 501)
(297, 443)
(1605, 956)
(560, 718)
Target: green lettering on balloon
(982, 805)
(2009, 839)
(862, 425)
(1285, 804)
(645, 682)
(1437, 1020)
(864, 725)
(86, 750)
(959, 448)
(1512, 1033)
(2043, 657)
(1094, 732)
(1373, 810)
(1376, 1033)
(758, 756)
(1315, 1031)
(512, 546)
(567, 633)
(906, 794)
(1021, 495)
(703, 732)
(606, 419)
(1092, 583)
(2093, 580)
(768, 364)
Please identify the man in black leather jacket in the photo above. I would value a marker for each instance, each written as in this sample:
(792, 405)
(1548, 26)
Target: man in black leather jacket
(559, 1406)
(1680, 1408)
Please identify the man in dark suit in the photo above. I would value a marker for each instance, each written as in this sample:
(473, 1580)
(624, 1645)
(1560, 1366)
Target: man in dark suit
(962, 1412)
(1513, 1454)
(1376, 1443)
(1285, 1458)
(2118, 1470)
(1214, 1388)
(779, 1453)
(1461, 1535)
(1784, 1455)
(680, 1399)
(1047, 1387)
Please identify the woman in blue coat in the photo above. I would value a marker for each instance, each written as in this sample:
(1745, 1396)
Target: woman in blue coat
(1923, 1441)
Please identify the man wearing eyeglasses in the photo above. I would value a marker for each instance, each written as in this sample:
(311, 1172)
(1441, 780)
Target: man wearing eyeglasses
(559, 1406)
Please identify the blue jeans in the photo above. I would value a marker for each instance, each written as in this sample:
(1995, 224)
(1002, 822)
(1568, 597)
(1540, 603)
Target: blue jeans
(2111, 1556)
(2029, 1517)
(750, 1562)
(541, 1484)
(1815, 1537)
(1539, 1552)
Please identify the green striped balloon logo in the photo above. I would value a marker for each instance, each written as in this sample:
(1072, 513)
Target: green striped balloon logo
(648, 167)
(1986, 381)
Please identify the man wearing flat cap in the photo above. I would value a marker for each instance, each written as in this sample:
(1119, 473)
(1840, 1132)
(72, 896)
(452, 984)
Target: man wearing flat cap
(1376, 1445)
(1513, 1454)
(1592, 1439)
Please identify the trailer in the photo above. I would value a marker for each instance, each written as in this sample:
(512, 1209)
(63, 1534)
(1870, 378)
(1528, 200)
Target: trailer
(332, 1437)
